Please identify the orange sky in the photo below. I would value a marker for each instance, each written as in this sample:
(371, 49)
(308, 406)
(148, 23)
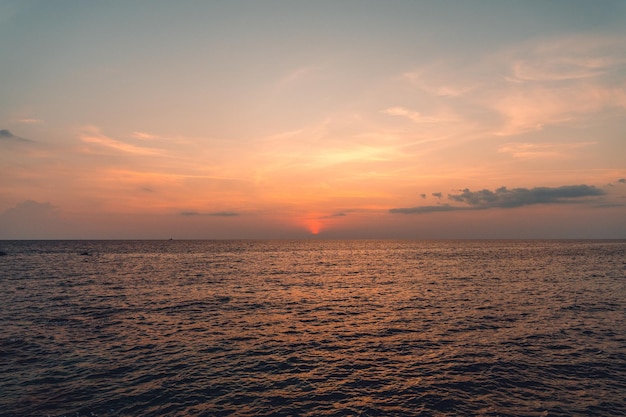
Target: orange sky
(323, 119)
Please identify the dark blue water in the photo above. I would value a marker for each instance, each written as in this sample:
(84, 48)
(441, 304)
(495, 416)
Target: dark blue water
(313, 328)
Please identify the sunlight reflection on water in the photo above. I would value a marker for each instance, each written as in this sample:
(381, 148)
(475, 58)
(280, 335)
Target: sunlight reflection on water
(313, 328)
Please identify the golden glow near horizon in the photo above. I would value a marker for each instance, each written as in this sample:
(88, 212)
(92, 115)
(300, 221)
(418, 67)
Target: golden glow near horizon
(336, 119)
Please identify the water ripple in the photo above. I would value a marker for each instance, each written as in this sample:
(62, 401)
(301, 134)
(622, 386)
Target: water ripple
(366, 328)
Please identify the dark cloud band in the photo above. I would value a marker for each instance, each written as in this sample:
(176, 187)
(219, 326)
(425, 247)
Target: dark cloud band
(505, 198)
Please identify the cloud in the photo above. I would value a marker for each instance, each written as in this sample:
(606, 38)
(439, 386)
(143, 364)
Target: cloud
(541, 150)
(438, 195)
(215, 214)
(298, 75)
(532, 108)
(334, 215)
(561, 68)
(143, 135)
(93, 135)
(430, 80)
(427, 209)
(30, 121)
(223, 214)
(570, 58)
(6, 135)
(622, 180)
(517, 197)
(417, 117)
(505, 198)
(563, 80)
(559, 80)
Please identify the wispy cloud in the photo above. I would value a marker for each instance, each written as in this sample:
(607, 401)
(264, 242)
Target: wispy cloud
(298, 75)
(541, 150)
(558, 69)
(334, 215)
(31, 121)
(224, 214)
(214, 214)
(6, 135)
(569, 59)
(143, 135)
(531, 108)
(524, 87)
(329, 143)
(427, 209)
(505, 198)
(431, 81)
(417, 117)
(558, 81)
(93, 135)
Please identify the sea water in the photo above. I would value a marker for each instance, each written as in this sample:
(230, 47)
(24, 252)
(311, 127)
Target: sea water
(312, 328)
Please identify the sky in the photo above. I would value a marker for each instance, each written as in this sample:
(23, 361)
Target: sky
(312, 119)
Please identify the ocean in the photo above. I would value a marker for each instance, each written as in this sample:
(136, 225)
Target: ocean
(313, 328)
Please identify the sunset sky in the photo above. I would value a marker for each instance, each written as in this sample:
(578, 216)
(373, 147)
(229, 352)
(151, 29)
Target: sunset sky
(329, 119)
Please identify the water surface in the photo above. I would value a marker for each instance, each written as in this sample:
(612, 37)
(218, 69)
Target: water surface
(312, 328)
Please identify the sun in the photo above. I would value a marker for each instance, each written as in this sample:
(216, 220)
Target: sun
(312, 223)
(314, 226)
